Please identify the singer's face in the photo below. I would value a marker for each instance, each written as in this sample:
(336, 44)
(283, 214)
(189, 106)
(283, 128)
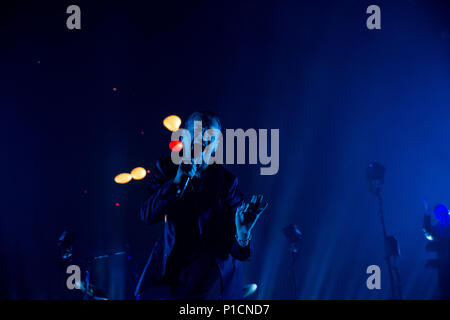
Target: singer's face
(203, 142)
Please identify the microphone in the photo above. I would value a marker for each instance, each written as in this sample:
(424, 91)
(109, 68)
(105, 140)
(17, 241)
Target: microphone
(180, 192)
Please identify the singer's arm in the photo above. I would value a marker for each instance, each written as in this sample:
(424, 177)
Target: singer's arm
(161, 195)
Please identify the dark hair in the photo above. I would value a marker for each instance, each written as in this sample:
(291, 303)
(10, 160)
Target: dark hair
(206, 116)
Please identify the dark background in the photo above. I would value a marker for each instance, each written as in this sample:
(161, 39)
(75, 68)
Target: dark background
(340, 94)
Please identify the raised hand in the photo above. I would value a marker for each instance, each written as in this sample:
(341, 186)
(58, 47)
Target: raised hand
(247, 214)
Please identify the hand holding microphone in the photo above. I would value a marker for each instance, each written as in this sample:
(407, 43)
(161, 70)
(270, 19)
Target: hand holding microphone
(185, 173)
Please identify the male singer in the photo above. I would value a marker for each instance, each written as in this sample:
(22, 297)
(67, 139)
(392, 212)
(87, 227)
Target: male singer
(207, 226)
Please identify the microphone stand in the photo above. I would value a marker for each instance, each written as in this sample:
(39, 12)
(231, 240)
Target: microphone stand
(391, 249)
(89, 290)
(294, 253)
(295, 238)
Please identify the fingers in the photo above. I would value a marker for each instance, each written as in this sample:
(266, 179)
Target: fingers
(257, 204)
(260, 200)
(242, 208)
(254, 201)
(263, 207)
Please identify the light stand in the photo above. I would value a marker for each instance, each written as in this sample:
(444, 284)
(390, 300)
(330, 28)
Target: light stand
(375, 178)
(295, 238)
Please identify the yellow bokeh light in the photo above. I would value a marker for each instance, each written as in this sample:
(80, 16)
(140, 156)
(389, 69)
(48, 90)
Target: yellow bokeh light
(123, 178)
(138, 173)
(172, 122)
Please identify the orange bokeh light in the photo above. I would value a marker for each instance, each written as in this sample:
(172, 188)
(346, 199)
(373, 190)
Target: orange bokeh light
(172, 122)
(123, 178)
(138, 173)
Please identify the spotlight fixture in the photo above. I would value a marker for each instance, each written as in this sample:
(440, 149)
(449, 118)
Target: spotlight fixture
(294, 236)
(375, 176)
(65, 244)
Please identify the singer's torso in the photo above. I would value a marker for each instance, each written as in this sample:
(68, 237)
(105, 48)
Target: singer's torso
(188, 242)
(200, 225)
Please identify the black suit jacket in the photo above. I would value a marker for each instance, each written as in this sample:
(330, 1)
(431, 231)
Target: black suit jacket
(212, 206)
